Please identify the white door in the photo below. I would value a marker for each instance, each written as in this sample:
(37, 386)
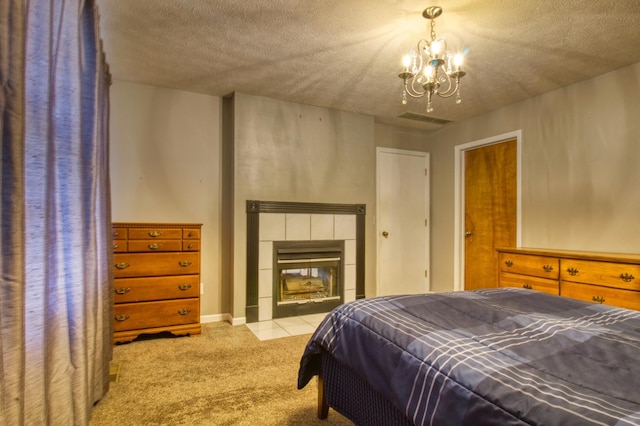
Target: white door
(402, 221)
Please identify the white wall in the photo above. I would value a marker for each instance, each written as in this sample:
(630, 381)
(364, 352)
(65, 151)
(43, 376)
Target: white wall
(580, 169)
(165, 167)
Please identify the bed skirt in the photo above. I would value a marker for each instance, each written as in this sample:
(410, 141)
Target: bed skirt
(351, 396)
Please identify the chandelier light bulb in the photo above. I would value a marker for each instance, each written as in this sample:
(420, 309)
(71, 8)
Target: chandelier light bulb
(429, 71)
(436, 48)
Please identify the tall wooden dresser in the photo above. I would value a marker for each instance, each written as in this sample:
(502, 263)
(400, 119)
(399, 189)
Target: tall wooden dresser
(157, 279)
(609, 278)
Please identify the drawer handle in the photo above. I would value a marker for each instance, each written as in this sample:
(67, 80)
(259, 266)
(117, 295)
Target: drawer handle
(154, 246)
(115, 233)
(154, 234)
(190, 234)
(184, 263)
(508, 263)
(572, 271)
(598, 299)
(184, 287)
(122, 317)
(627, 278)
(527, 286)
(184, 311)
(547, 268)
(123, 265)
(121, 290)
(190, 246)
(115, 246)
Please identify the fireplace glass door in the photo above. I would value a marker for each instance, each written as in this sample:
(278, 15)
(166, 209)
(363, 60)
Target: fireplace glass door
(307, 275)
(308, 281)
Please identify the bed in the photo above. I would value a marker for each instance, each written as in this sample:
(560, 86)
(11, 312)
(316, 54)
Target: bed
(488, 357)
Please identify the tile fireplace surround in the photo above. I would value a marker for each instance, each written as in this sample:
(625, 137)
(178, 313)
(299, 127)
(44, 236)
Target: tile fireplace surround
(269, 221)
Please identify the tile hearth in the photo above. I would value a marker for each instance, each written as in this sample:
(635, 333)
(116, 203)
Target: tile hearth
(285, 327)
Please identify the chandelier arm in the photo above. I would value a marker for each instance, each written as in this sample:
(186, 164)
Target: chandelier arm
(414, 94)
(450, 92)
(445, 81)
(411, 89)
(425, 43)
(419, 51)
(416, 81)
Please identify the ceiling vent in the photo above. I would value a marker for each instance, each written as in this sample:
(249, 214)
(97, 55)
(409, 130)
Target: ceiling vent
(424, 118)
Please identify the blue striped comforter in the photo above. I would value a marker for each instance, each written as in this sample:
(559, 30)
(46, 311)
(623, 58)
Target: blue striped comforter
(498, 356)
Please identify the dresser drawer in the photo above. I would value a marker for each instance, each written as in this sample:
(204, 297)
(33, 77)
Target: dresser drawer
(154, 245)
(155, 264)
(156, 233)
(118, 233)
(156, 288)
(537, 266)
(601, 294)
(119, 246)
(191, 245)
(134, 316)
(619, 275)
(191, 234)
(544, 285)
(119, 236)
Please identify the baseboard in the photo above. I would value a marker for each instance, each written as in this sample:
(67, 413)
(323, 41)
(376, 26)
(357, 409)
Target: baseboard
(238, 321)
(223, 317)
(213, 318)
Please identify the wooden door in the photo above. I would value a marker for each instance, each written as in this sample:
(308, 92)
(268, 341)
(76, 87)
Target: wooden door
(490, 210)
(403, 233)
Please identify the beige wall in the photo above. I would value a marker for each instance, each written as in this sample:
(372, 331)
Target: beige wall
(400, 138)
(580, 169)
(292, 152)
(165, 167)
(580, 174)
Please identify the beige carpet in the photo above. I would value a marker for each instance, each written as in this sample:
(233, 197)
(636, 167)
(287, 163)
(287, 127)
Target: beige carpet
(226, 376)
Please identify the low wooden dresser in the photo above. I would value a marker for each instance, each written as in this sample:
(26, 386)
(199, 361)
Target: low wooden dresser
(157, 279)
(609, 278)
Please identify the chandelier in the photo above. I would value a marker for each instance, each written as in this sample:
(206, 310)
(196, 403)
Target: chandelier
(432, 69)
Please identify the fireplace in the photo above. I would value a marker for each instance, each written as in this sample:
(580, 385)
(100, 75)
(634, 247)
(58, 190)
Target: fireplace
(303, 225)
(308, 277)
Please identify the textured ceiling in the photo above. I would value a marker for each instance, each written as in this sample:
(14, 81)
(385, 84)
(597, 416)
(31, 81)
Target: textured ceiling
(346, 54)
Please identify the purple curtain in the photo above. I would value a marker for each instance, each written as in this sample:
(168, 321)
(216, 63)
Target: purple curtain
(56, 288)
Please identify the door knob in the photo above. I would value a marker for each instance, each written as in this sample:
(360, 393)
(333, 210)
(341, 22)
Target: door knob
(468, 234)
(385, 234)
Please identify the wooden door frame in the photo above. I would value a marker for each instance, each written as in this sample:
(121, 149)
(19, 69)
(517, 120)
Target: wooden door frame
(459, 209)
(427, 232)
